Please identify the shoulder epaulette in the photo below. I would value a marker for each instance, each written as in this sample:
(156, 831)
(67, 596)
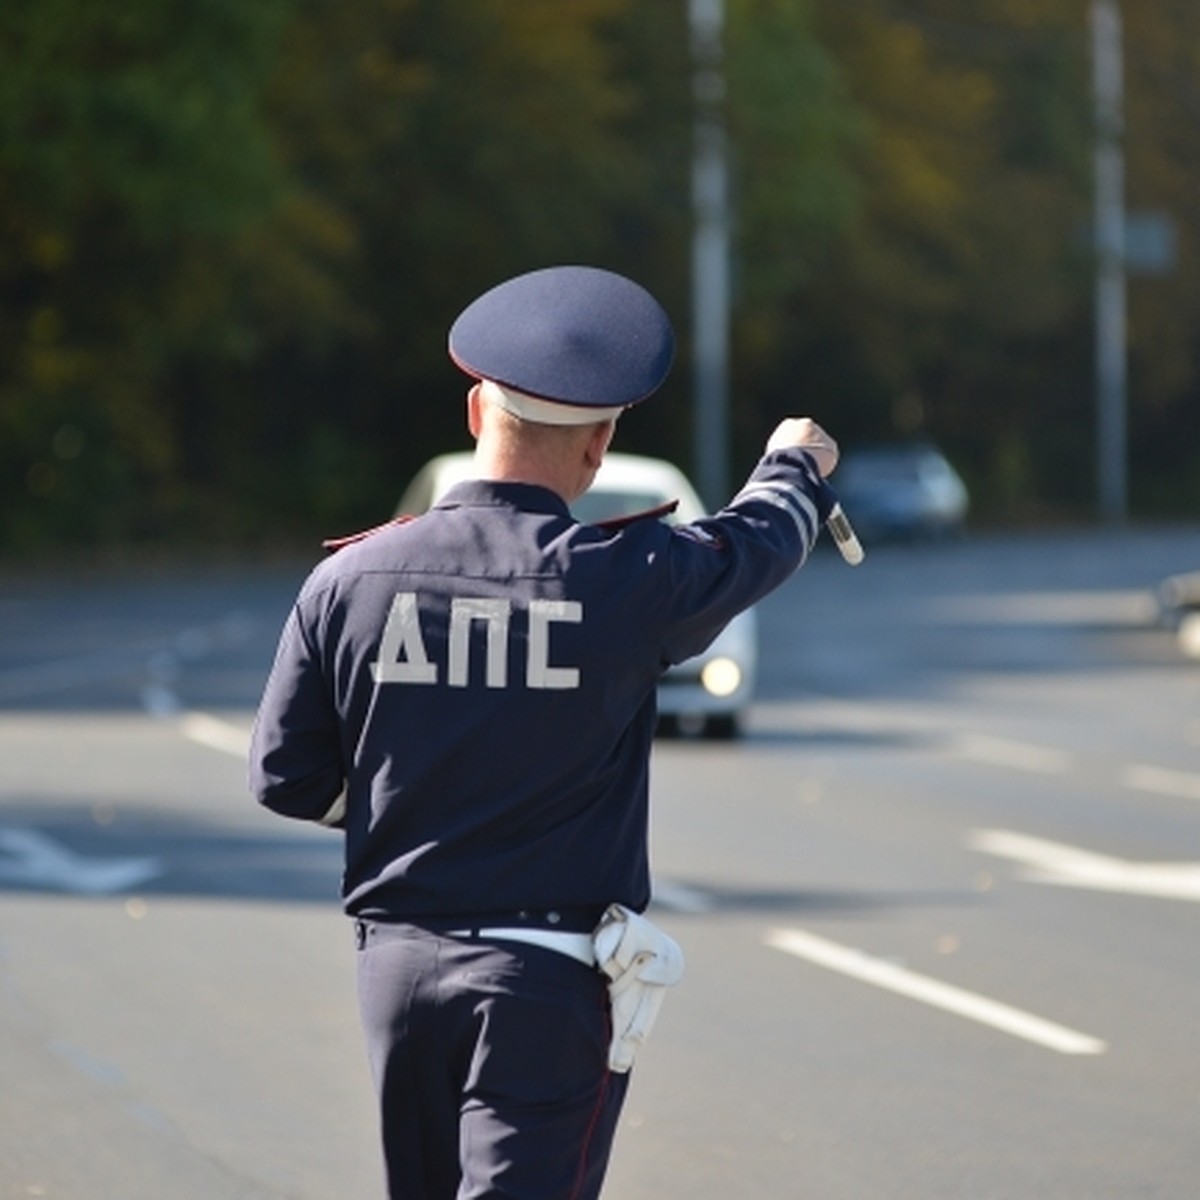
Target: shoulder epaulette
(613, 524)
(333, 544)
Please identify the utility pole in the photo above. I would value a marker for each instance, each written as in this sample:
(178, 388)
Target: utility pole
(1110, 333)
(710, 252)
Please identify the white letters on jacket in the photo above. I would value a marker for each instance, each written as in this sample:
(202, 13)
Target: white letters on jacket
(641, 962)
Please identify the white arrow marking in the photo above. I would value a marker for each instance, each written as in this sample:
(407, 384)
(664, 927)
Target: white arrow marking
(33, 858)
(1068, 866)
(945, 996)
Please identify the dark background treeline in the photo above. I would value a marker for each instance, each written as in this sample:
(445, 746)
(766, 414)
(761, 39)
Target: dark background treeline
(233, 235)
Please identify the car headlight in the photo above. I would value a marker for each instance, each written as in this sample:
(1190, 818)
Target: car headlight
(721, 677)
(1189, 634)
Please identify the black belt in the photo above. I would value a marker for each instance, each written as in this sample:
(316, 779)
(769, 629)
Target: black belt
(555, 920)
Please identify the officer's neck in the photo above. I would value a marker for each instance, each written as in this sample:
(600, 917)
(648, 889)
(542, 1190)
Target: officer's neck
(564, 481)
(566, 466)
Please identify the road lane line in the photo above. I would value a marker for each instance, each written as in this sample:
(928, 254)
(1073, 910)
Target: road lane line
(1004, 752)
(216, 734)
(1069, 866)
(958, 1001)
(1047, 857)
(1162, 781)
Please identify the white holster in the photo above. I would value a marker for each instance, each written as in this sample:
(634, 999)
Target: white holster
(641, 962)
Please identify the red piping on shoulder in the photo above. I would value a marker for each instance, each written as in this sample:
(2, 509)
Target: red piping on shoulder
(616, 523)
(332, 544)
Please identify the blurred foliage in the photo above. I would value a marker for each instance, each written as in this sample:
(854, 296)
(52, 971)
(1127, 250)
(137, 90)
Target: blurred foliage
(234, 236)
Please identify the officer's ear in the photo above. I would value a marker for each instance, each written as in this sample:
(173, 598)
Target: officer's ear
(474, 407)
(598, 443)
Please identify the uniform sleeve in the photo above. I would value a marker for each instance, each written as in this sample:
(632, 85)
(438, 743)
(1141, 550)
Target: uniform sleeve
(726, 563)
(296, 766)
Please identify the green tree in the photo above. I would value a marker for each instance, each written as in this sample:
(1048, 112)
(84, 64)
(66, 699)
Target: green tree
(957, 300)
(132, 154)
(464, 143)
(234, 237)
(959, 259)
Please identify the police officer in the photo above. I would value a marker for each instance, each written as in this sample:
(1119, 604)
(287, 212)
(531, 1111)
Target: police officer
(470, 696)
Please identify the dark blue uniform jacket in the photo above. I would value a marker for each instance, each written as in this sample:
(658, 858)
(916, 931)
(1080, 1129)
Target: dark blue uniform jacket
(471, 694)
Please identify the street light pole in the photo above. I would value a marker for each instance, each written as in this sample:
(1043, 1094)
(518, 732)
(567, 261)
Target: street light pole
(1110, 333)
(710, 252)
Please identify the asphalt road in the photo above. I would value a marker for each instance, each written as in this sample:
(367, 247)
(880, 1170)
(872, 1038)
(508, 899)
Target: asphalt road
(938, 904)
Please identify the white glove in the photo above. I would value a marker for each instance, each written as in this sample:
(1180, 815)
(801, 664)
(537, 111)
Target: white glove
(642, 962)
(805, 434)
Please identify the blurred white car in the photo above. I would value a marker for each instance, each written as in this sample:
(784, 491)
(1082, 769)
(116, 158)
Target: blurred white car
(1179, 610)
(705, 696)
(907, 491)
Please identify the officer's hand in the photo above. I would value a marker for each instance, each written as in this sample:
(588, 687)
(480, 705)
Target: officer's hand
(806, 434)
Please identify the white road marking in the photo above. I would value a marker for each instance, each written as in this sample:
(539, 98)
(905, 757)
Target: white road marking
(32, 858)
(1069, 866)
(216, 734)
(160, 700)
(1162, 781)
(1015, 754)
(958, 1001)
(1046, 760)
(1004, 752)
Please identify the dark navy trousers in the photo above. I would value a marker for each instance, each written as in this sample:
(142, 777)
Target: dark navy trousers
(490, 1063)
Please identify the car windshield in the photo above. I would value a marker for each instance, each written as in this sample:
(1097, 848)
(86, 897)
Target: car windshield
(603, 504)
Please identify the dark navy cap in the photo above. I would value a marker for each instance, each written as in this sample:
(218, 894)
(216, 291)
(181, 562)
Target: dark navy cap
(578, 336)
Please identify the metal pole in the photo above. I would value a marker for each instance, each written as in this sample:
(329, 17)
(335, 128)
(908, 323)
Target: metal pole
(710, 253)
(1111, 365)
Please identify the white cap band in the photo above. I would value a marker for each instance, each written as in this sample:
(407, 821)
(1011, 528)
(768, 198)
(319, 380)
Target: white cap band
(544, 412)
